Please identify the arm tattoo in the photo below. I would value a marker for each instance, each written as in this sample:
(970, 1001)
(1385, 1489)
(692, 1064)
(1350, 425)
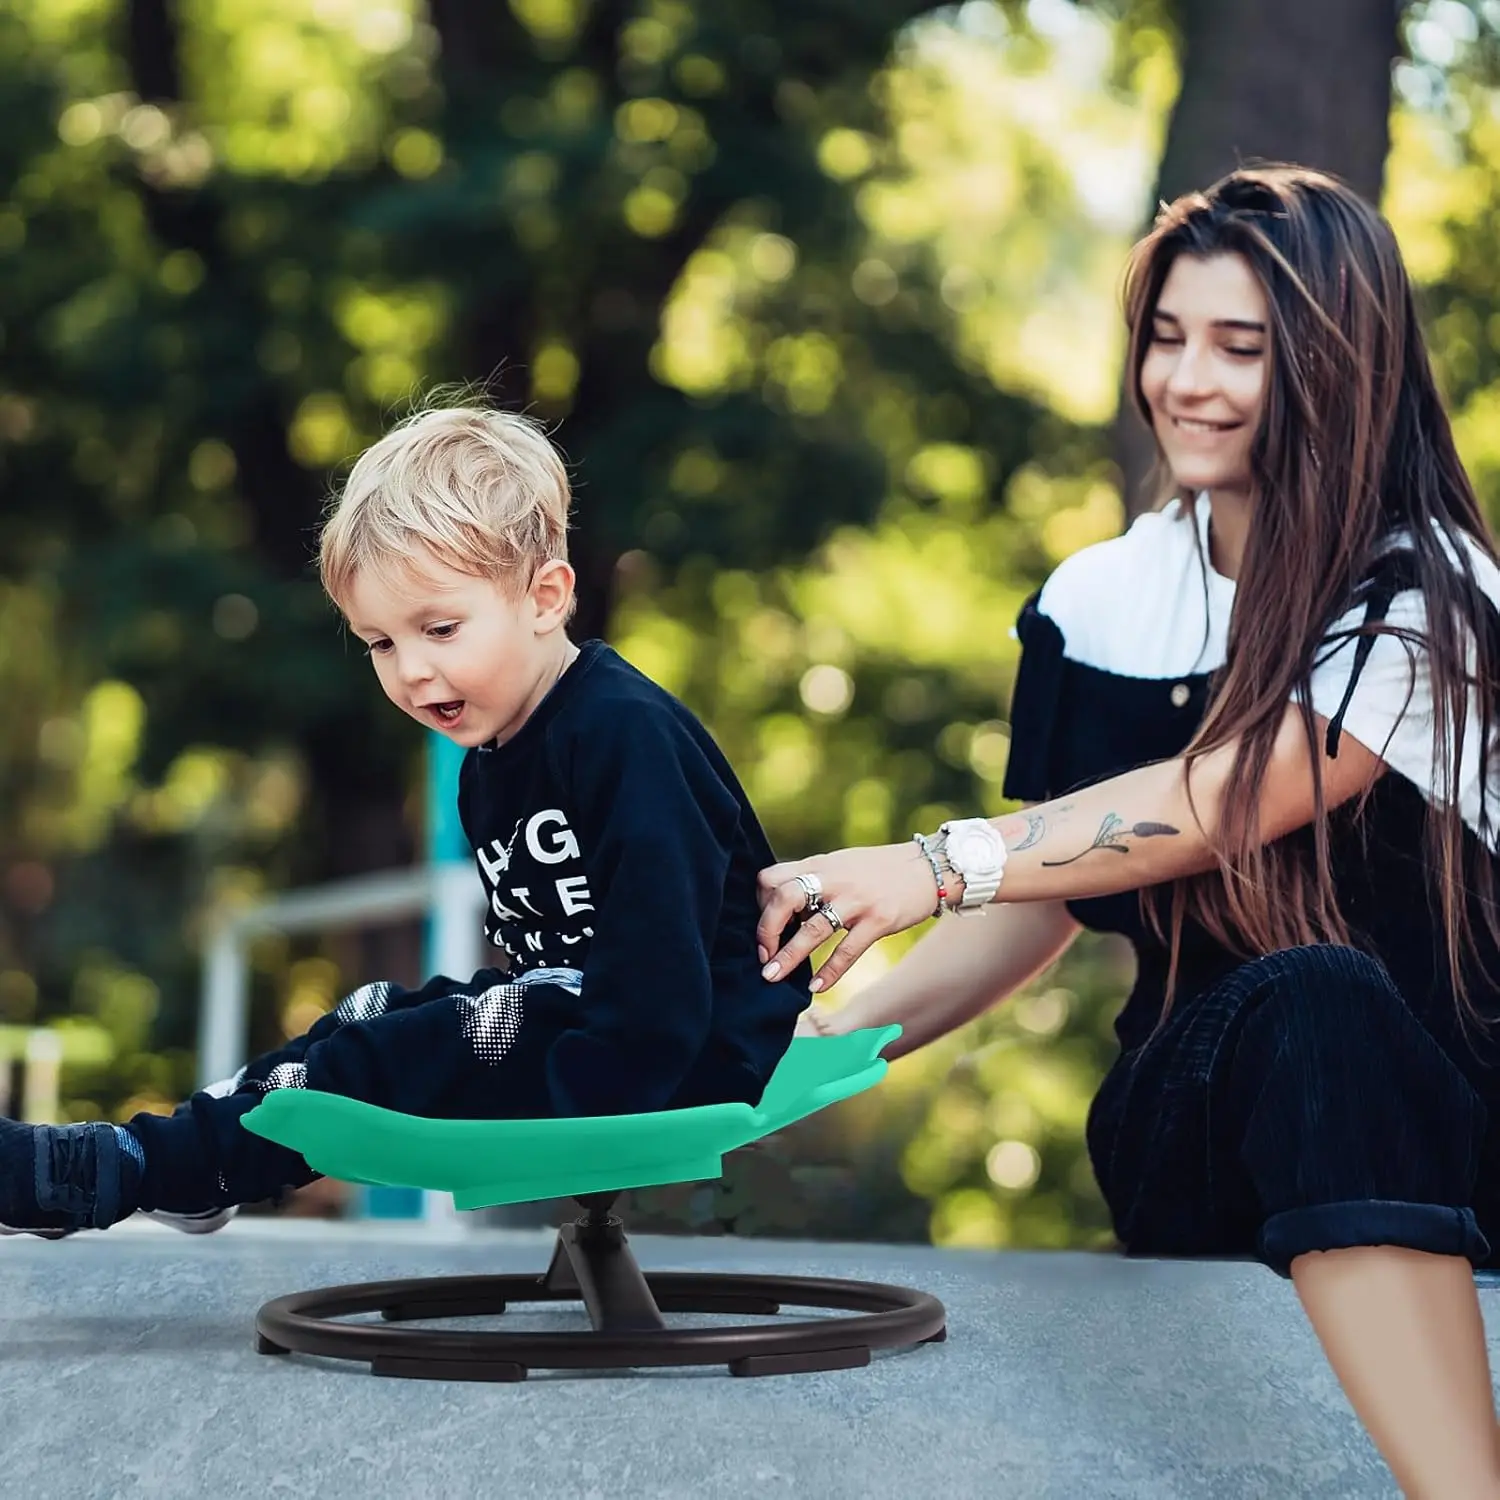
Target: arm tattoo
(1111, 832)
(1036, 826)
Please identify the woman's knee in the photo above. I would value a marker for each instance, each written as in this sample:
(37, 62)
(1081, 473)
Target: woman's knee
(1331, 1018)
(1336, 1090)
(1321, 969)
(1328, 1009)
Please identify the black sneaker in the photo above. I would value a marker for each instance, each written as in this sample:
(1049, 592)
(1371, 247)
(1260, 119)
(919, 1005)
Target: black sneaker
(55, 1179)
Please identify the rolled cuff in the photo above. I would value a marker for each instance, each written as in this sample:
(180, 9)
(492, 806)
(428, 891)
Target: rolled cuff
(1433, 1227)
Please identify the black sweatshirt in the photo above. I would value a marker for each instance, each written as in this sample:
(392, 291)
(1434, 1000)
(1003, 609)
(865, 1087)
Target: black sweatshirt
(615, 840)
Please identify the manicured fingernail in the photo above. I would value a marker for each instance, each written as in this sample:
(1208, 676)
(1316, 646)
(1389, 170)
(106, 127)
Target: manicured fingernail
(815, 986)
(770, 971)
(761, 954)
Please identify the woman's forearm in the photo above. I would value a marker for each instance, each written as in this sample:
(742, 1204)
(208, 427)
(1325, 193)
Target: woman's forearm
(961, 968)
(1139, 829)
(1135, 830)
(1131, 831)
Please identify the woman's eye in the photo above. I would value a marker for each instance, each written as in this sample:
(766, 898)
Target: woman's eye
(1164, 338)
(1247, 353)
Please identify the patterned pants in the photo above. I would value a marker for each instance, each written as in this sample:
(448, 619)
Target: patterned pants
(446, 1051)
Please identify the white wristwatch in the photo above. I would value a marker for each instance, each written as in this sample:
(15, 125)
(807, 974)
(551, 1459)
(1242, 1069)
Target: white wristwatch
(977, 852)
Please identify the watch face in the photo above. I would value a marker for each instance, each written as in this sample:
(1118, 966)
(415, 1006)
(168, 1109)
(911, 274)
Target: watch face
(973, 852)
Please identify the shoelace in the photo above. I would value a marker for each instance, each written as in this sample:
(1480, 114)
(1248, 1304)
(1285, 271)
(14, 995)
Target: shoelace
(73, 1169)
(72, 1159)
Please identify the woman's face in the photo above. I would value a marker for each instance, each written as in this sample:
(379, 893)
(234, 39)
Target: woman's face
(1205, 371)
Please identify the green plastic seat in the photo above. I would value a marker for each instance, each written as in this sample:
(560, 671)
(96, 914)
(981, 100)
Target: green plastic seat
(485, 1163)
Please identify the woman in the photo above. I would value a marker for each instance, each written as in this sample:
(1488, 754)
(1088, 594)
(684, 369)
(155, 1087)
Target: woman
(1248, 733)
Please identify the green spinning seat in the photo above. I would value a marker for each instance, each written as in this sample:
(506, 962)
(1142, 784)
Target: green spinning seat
(485, 1163)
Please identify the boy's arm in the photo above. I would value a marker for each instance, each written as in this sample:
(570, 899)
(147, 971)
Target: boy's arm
(655, 827)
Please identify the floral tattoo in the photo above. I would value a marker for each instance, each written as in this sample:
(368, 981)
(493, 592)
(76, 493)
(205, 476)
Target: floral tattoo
(1110, 836)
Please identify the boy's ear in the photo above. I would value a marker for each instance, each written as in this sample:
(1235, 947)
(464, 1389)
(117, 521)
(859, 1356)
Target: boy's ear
(552, 593)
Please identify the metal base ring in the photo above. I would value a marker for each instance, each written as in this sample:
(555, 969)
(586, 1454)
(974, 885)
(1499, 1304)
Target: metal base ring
(628, 1330)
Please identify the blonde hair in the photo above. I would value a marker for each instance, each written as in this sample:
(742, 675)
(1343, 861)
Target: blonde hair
(480, 491)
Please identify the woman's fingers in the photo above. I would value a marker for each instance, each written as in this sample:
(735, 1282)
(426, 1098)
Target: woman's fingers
(812, 934)
(785, 901)
(842, 959)
(776, 875)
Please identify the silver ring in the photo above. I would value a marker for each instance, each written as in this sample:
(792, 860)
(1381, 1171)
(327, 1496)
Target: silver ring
(835, 921)
(813, 888)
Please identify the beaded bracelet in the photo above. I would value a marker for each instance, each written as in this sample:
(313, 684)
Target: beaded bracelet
(937, 874)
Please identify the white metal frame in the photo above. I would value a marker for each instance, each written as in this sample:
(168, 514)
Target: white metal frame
(450, 895)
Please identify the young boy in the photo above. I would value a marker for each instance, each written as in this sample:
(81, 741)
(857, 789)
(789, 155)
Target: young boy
(618, 848)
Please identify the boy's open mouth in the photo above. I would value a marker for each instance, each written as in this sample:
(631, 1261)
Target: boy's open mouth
(446, 713)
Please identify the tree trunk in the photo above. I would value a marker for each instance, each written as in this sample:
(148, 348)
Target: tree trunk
(1305, 81)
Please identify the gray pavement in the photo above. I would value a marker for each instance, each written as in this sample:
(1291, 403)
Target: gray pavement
(128, 1371)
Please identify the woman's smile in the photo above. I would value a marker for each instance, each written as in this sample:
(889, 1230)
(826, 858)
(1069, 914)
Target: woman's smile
(1193, 425)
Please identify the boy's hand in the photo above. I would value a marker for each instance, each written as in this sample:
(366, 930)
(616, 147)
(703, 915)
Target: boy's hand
(814, 1021)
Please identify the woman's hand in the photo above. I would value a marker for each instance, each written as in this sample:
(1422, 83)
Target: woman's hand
(873, 892)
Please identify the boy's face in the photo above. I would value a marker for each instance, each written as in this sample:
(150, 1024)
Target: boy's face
(458, 653)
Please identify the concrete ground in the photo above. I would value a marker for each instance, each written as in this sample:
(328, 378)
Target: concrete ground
(127, 1370)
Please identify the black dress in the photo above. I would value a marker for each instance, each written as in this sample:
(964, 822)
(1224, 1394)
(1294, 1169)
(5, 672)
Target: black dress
(1312, 1098)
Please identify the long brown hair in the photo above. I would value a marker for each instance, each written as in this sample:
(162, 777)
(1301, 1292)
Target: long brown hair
(1353, 445)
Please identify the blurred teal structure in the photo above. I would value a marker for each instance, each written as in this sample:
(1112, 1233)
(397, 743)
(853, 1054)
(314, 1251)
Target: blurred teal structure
(444, 843)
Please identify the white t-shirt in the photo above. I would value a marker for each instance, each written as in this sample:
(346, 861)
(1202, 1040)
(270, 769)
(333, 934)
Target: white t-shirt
(1134, 606)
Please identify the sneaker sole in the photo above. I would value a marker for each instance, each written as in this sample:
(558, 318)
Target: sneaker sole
(209, 1223)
